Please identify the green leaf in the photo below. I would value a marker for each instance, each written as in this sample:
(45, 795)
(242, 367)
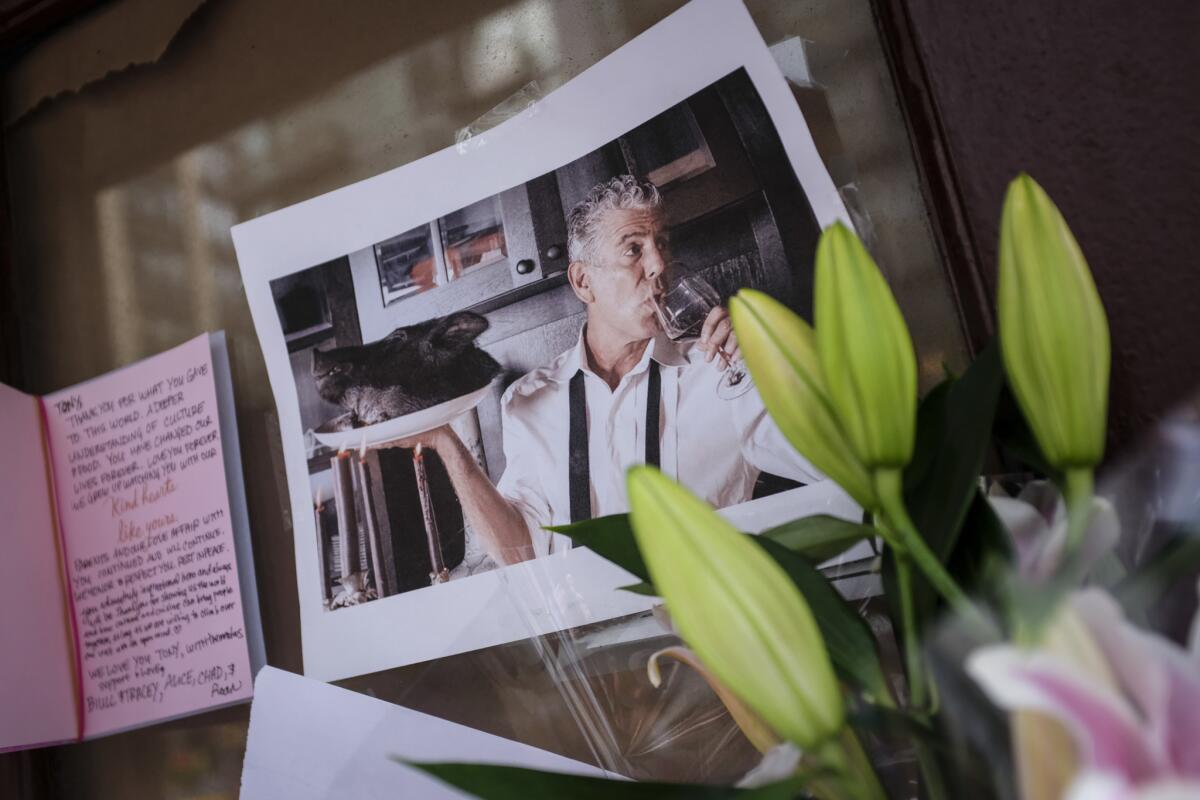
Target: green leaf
(894, 723)
(499, 782)
(1015, 438)
(984, 553)
(954, 427)
(820, 537)
(954, 431)
(610, 537)
(981, 562)
(847, 636)
(929, 434)
(793, 545)
(817, 538)
(640, 588)
(972, 733)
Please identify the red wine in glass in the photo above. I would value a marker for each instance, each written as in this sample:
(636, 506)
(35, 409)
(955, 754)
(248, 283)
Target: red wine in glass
(682, 309)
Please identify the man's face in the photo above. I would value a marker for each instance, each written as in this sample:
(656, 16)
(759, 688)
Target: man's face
(627, 269)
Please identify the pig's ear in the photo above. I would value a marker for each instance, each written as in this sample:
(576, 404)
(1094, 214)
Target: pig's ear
(459, 329)
(320, 362)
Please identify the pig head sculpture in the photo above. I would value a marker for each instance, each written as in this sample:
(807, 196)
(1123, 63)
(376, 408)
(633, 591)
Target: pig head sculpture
(410, 369)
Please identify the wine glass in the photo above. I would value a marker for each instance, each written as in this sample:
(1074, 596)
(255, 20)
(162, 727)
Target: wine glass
(682, 309)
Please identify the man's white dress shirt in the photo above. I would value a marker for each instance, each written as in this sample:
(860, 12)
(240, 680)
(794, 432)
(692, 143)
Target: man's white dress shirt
(714, 447)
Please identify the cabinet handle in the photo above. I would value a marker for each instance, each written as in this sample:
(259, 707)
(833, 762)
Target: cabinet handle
(525, 266)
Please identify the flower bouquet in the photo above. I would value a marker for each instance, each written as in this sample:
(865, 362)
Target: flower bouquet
(1027, 667)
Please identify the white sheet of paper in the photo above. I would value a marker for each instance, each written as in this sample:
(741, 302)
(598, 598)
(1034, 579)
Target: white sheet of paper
(311, 741)
(690, 50)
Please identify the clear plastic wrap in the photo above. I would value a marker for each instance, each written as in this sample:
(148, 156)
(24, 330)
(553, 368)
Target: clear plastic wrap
(680, 730)
(1145, 569)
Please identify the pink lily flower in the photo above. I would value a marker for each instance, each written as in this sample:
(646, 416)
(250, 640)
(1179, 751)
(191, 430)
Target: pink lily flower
(1129, 699)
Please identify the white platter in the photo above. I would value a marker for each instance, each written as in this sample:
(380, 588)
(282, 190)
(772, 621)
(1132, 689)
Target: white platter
(400, 427)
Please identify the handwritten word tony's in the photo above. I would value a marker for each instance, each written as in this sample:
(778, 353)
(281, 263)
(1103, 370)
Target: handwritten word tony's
(69, 404)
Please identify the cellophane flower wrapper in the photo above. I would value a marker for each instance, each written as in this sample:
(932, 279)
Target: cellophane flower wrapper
(1147, 502)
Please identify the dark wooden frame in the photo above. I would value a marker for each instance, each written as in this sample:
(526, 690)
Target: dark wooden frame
(989, 92)
(939, 183)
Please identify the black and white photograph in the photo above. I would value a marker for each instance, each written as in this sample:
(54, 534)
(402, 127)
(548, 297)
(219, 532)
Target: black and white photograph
(468, 378)
(560, 331)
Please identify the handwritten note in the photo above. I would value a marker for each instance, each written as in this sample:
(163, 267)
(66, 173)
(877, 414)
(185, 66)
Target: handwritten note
(148, 541)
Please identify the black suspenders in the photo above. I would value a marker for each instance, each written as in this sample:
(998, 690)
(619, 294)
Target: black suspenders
(581, 495)
(577, 439)
(653, 401)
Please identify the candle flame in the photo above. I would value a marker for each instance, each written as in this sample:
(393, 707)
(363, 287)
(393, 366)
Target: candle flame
(341, 451)
(362, 450)
(417, 451)
(320, 496)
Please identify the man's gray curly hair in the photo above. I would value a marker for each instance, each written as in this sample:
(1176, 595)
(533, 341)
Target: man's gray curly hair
(621, 192)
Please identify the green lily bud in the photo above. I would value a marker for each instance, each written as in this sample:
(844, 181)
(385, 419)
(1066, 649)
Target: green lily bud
(737, 609)
(1053, 332)
(781, 351)
(866, 353)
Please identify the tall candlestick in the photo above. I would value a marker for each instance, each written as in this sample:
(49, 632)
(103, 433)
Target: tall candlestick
(322, 569)
(362, 488)
(343, 495)
(439, 573)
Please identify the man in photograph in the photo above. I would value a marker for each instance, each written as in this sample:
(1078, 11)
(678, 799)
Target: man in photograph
(625, 394)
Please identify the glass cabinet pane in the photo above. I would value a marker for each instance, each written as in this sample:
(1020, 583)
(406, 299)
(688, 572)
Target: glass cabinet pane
(407, 264)
(473, 237)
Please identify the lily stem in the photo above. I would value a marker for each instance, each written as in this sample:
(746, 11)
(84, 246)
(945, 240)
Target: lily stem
(912, 640)
(931, 773)
(852, 776)
(1077, 492)
(888, 489)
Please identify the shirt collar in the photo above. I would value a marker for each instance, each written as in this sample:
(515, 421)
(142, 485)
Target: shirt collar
(666, 352)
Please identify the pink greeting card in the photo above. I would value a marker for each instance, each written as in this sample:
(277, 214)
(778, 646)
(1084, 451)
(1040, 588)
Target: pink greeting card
(126, 550)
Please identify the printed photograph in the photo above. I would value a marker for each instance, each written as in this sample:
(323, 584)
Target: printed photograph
(467, 383)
